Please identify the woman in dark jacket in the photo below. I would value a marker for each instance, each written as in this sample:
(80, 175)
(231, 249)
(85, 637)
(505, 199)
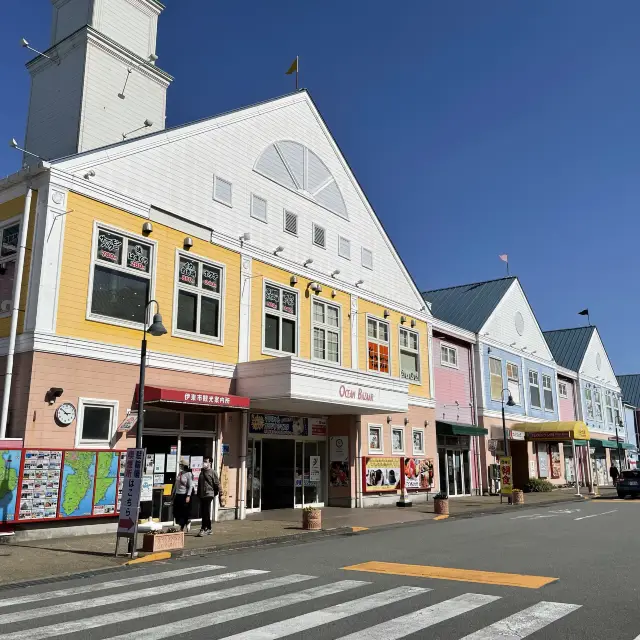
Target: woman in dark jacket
(208, 489)
(182, 490)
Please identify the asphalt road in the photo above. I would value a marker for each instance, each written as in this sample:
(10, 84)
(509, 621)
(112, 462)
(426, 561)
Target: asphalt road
(304, 591)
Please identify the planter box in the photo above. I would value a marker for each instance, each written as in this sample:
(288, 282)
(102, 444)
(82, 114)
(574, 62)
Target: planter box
(312, 520)
(163, 541)
(518, 497)
(441, 507)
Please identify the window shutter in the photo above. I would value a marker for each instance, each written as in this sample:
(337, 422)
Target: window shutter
(319, 236)
(291, 223)
(344, 248)
(258, 208)
(367, 258)
(222, 190)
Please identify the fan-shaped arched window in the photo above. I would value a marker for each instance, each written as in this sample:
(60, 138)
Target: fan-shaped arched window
(294, 166)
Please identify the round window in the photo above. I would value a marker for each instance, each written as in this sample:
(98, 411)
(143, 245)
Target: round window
(599, 361)
(519, 323)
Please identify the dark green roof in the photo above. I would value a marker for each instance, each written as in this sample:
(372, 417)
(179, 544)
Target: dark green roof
(468, 306)
(630, 386)
(568, 346)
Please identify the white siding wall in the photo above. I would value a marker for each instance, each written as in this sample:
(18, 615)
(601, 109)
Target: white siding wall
(68, 17)
(131, 23)
(54, 106)
(501, 326)
(595, 354)
(105, 116)
(178, 170)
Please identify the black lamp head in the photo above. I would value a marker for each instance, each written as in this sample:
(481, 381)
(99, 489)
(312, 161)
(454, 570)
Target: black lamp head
(157, 328)
(510, 402)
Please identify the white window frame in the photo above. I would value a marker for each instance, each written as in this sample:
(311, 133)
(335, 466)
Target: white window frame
(280, 314)
(284, 222)
(617, 411)
(511, 380)
(417, 452)
(101, 403)
(608, 407)
(449, 349)
(401, 431)
(378, 342)
(588, 400)
(200, 292)
(215, 184)
(151, 275)
(492, 375)
(362, 250)
(340, 240)
(380, 430)
(597, 404)
(326, 327)
(315, 226)
(12, 258)
(562, 385)
(546, 377)
(412, 352)
(266, 209)
(537, 386)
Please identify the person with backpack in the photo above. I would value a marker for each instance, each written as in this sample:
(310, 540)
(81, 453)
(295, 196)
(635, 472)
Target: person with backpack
(208, 490)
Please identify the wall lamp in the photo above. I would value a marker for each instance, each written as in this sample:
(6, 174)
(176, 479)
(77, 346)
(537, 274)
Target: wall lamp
(245, 237)
(335, 273)
(307, 262)
(359, 282)
(278, 250)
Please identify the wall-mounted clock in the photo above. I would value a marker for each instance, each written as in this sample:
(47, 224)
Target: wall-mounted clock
(65, 414)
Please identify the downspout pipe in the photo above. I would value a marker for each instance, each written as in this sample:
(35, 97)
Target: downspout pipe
(15, 310)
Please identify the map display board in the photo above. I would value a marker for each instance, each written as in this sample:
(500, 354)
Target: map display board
(78, 478)
(106, 489)
(40, 485)
(10, 460)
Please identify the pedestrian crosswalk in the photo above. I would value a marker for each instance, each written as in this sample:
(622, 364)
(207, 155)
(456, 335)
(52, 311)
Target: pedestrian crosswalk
(165, 604)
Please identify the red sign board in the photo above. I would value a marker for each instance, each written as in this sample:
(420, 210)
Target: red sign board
(198, 397)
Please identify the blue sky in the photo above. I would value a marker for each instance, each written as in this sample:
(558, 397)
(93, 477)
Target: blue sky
(475, 128)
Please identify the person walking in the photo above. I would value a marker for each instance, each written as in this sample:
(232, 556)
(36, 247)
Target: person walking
(208, 490)
(614, 473)
(182, 489)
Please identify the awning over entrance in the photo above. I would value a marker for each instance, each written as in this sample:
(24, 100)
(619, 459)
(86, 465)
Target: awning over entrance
(458, 429)
(609, 444)
(194, 397)
(554, 430)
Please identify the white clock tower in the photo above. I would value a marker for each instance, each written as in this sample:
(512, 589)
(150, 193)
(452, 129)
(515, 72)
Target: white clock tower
(102, 82)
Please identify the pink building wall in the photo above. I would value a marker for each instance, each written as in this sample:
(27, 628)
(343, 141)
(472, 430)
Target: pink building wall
(453, 383)
(567, 405)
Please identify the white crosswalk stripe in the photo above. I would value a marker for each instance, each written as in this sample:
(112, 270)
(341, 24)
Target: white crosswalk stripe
(109, 584)
(325, 616)
(197, 590)
(123, 596)
(524, 623)
(419, 620)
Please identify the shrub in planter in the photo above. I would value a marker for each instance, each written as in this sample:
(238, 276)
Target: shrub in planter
(312, 518)
(441, 503)
(537, 485)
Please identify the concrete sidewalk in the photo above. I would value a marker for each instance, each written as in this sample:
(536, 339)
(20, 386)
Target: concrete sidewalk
(35, 560)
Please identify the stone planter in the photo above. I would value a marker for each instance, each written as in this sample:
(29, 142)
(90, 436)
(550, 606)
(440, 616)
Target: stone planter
(441, 506)
(163, 541)
(312, 519)
(517, 496)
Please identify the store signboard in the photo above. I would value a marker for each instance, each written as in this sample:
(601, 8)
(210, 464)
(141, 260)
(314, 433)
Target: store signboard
(382, 474)
(273, 425)
(506, 475)
(128, 423)
(516, 435)
(339, 449)
(131, 491)
(199, 397)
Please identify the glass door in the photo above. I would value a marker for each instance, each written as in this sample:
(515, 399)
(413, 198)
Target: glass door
(254, 475)
(309, 465)
(451, 475)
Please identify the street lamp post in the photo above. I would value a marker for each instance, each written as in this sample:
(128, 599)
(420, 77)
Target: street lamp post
(510, 403)
(155, 329)
(619, 443)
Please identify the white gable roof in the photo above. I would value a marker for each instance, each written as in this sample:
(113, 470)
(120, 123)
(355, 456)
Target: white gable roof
(513, 324)
(174, 170)
(596, 364)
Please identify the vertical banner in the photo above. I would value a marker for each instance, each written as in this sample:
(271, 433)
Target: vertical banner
(133, 474)
(506, 475)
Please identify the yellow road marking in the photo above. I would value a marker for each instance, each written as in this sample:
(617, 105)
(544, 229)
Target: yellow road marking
(441, 517)
(447, 573)
(356, 529)
(160, 555)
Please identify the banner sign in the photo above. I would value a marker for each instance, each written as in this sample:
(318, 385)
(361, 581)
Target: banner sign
(506, 475)
(272, 425)
(418, 473)
(382, 474)
(131, 491)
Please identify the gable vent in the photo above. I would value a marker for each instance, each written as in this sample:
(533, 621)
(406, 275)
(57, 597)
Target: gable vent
(367, 258)
(222, 190)
(319, 236)
(344, 248)
(291, 223)
(258, 208)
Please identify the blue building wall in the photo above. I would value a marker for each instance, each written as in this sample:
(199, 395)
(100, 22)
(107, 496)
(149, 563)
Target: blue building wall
(524, 366)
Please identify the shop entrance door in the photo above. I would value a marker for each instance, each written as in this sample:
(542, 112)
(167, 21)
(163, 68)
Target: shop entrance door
(277, 474)
(254, 475)
(456, 476)
(309, 465)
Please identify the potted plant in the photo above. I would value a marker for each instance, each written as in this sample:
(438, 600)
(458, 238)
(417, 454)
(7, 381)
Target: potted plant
(160, 540)
(441, 503)
(518, 496)
(311, 518)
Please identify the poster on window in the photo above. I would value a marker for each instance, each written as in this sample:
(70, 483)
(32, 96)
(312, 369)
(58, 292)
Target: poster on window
(382, 474)
(418, 474)
(555, 462)
(316, 426)
(339, 474)
(40, 490)
(543, 464)
(270, 425)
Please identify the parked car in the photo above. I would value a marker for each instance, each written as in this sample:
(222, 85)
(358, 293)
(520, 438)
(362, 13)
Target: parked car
(628, 483)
